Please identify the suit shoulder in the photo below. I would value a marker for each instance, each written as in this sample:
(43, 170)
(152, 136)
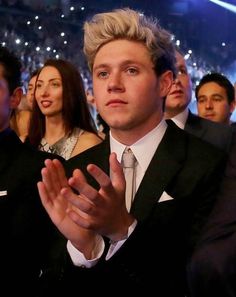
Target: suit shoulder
(196, 145)
(205, 151)
(90, 155)
(36, 156)
(218, 134)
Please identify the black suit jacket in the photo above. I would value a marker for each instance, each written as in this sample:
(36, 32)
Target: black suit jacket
(212, 269)
(215, 133)
(153, 258)
(25, 229)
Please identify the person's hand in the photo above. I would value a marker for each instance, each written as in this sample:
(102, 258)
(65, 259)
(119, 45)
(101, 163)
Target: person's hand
(54, 182)
(103, 211)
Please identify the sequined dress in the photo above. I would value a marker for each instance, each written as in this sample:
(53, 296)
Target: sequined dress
(64, 146)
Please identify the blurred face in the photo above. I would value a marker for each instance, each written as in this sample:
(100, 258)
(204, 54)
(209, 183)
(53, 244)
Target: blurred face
(212, 103)
(49, 91)
(127, 92)
(181, 91)
(5, 100)
(30, 91)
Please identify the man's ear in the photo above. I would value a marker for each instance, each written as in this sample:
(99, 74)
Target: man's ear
(166, 81)
(232, 106)
(16, 98)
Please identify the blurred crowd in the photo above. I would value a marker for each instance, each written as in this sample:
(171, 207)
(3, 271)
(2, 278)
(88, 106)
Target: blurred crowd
(38, 30)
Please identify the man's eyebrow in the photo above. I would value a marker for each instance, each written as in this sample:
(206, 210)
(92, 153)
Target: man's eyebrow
(126, 62)
(103, 65)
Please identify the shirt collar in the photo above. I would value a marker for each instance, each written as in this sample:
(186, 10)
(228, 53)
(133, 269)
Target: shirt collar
(147, 144)
(181, 118)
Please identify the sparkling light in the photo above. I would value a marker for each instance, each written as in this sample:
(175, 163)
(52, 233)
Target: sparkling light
(228, 6)
(187, 56)
(177, 42)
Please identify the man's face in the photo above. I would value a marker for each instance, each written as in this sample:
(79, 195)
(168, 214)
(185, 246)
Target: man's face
(181, 91)
(212, 103)
(4, 102)
(126, 89)
(30, 91)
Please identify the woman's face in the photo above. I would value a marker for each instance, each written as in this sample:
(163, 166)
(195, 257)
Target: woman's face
(49, 91)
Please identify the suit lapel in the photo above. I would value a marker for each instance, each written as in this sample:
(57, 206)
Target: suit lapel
(166, 162)
(193, 126)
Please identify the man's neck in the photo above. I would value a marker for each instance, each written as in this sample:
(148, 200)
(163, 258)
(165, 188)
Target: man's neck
(129, 137)
(171, 113)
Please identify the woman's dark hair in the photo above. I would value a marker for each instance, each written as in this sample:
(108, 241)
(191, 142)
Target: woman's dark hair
(75, 109)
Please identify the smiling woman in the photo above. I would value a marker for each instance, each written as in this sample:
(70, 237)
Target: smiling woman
(61, 122)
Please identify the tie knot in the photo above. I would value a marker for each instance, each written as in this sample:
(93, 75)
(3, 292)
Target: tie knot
(128, 158)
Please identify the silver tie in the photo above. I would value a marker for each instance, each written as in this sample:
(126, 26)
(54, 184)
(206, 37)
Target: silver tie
(129, 163)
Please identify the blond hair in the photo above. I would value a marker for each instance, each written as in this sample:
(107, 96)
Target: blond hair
(131, 25)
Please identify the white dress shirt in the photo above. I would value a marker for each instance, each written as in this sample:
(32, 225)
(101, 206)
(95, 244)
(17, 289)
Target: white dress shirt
(181, 118)
(147, 144)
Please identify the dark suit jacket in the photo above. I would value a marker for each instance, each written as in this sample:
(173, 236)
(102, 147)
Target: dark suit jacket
(153, 258)
(215, 133)
(212, 269)
(25, 229)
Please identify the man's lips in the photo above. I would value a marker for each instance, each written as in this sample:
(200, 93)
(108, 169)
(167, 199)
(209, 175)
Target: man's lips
(115, 102)
(176, 92)
(209, 115)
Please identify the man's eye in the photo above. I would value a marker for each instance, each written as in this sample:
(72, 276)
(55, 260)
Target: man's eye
(103, 74)
(132, 70)
(181, 72)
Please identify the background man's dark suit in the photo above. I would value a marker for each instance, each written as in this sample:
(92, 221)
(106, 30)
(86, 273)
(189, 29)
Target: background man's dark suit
(188, 169)
(212, 269)
(25, 228)
(218, 134)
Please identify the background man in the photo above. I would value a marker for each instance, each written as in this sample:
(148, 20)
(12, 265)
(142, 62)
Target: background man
(176, 109)
(26, 232)
(215, 98)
